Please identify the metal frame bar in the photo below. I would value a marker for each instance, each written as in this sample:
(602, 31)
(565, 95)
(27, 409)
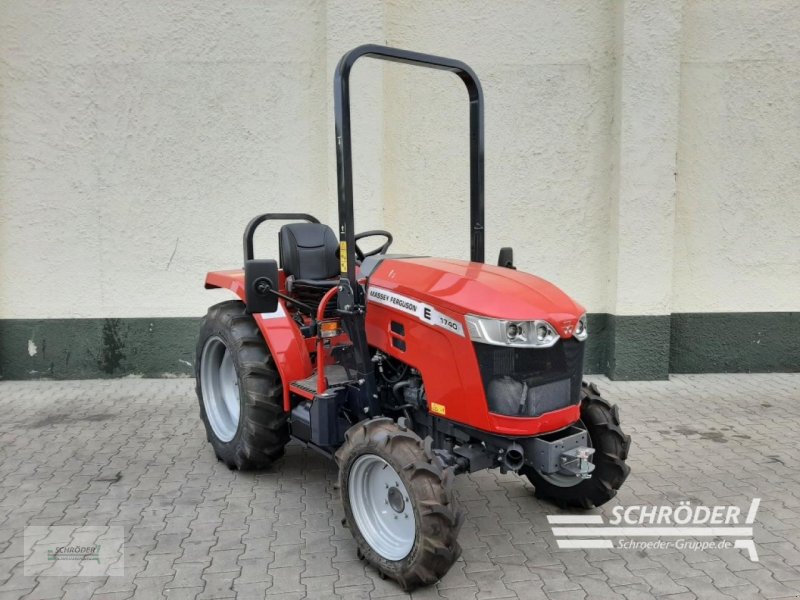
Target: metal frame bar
(250, 230)
(323, 304)
(341, 91)
(350, 300)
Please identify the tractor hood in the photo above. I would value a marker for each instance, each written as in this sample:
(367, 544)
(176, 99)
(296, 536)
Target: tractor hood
(475, 288)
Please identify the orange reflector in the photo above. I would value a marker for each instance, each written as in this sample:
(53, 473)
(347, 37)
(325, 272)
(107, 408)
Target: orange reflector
(328, 329)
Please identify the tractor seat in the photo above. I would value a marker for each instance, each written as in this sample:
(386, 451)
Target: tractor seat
(309, 261)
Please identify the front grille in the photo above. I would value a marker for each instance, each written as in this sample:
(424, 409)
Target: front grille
(528, 382)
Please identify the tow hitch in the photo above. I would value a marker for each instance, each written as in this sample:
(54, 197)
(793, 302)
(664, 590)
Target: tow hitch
(576, 462)
(566, 452)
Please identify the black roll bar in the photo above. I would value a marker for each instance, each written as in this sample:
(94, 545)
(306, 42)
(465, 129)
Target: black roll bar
(341, 92)
(250, 230)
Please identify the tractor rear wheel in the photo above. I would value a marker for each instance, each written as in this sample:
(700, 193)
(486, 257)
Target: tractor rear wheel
(610, 444)
(239, 389)
(398, 501)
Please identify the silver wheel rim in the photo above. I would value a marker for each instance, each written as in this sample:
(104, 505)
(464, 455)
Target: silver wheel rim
(220, 388)
(381, 507)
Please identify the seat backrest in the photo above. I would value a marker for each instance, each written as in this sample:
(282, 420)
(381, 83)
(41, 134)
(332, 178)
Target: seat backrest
(308, 251)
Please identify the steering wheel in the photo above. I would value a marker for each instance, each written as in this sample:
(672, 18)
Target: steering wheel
(360, 254)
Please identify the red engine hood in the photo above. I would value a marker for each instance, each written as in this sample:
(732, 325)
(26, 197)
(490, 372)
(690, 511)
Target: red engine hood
(476, 288)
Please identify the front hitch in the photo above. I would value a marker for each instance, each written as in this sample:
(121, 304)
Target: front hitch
(576, 462)
(566, 452)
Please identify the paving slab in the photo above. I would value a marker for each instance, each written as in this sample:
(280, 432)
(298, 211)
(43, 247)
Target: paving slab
(132, 453)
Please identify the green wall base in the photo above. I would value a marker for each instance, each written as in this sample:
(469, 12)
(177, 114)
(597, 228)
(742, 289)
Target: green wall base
(622, 347)
(735, 342)
(97, 348)
(638, 347)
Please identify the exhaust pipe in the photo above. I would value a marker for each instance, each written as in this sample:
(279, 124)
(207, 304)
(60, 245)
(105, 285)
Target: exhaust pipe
(514, 457)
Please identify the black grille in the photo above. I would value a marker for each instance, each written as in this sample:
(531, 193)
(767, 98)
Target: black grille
(312, 295)
(528, 382)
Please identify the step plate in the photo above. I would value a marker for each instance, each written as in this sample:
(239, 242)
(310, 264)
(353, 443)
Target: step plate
(335, 374)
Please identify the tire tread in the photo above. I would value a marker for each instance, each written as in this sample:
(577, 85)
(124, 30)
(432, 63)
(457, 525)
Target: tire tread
(611, 450)
(437, 547)
(263, 432)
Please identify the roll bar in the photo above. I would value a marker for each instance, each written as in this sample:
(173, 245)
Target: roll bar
(250, 230)
(341, 92)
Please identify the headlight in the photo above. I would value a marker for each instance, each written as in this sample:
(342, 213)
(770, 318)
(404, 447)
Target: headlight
(538, 334)
(580, 332)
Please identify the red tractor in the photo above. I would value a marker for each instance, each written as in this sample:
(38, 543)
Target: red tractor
(407, 370)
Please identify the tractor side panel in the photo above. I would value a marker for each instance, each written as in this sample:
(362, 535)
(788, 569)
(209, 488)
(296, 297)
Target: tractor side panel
(285, 342)
(448, 365)
(450, 393)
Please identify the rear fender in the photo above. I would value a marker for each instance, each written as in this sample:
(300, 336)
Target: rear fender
(286, 344)
(228, 280)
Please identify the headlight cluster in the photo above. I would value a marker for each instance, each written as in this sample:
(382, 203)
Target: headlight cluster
(529, 334)
(539, 334)
(580, 332)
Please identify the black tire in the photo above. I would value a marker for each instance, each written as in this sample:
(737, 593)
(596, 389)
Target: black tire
(611, 449)
(429, 483)
(262, 430)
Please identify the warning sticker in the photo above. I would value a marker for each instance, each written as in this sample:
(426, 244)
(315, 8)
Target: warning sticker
(343, 257)
(423, 312)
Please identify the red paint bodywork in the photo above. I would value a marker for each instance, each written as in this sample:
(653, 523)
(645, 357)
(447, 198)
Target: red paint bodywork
(287, 345)
(445, 360)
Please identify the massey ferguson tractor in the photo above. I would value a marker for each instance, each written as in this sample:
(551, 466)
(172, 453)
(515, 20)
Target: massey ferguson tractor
(406, 370)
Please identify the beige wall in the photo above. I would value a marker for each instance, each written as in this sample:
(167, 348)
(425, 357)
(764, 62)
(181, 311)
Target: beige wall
(547, 75)
(137, 139)
(737, 243)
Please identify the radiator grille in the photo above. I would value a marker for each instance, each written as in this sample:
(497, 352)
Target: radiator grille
(528, 382)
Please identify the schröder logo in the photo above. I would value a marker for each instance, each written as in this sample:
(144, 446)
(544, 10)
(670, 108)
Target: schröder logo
(685, 527)
(74, 551)
(684, 514)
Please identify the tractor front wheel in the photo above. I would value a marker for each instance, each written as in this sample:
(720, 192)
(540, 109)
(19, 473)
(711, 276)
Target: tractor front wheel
(398, 502)
(610, 444)
(239, 389)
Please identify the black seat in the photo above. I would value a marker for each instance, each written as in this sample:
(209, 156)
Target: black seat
(309, 261)
(308, 251)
